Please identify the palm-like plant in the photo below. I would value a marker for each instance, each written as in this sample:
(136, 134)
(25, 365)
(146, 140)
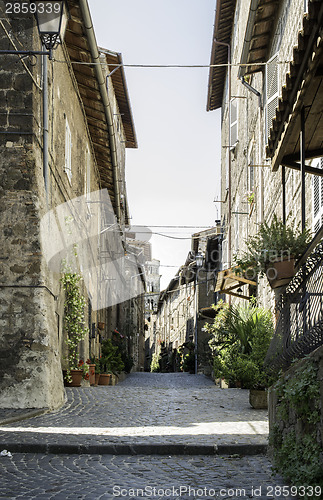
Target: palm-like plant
(240, 342)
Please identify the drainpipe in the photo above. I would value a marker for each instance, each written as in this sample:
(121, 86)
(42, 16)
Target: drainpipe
(45, 123)
(104, 94)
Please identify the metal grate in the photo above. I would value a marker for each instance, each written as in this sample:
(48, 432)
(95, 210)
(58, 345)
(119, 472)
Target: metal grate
(299, 329)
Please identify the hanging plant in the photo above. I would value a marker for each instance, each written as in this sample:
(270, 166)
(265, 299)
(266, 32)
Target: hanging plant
(74, 322)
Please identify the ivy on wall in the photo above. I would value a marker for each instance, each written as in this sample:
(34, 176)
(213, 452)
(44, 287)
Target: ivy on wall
(295, 437)
(74, 321)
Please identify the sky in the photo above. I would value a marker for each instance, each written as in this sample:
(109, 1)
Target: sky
(174, 175)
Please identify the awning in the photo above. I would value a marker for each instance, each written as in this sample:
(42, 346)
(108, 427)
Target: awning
(228, 281)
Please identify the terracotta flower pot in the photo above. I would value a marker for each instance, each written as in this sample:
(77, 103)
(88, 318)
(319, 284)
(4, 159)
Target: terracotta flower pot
(280, 272)
(104, 379)
(76, 378)
(97, 377)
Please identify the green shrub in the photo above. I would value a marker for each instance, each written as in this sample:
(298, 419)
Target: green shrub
(155, 363)
(111, 361)
(240, 340)
(298, 457)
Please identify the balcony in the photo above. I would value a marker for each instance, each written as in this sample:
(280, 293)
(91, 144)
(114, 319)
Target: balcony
(299, 329)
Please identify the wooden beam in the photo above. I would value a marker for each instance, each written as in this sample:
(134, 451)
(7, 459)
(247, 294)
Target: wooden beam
(309, 154)
(237, 295)
(241, 279)
(296, 166)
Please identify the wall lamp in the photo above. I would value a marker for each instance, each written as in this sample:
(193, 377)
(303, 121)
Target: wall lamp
(51, 17)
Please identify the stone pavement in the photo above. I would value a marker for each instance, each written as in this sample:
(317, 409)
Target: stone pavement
(152, 436)
(146, 413)
(92, 477)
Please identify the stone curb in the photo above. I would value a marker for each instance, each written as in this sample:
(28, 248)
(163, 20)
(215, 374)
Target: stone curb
(24, 416)
(136, 449)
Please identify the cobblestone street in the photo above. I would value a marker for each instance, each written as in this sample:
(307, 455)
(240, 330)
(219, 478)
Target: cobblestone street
(177, 433)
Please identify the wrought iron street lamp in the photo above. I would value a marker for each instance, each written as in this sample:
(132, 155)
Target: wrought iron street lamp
(51, 17)
(51, 23)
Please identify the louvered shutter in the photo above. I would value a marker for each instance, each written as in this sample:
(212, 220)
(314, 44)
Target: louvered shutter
(318, 198)
(272, 78)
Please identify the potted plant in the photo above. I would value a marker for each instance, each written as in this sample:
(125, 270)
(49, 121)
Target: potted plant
(240, 340)
(74, 326)
(95, 361)
(110, 361)
(272, 251)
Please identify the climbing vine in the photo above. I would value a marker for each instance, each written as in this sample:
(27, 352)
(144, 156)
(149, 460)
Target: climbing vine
(74, 322)
(297, 451)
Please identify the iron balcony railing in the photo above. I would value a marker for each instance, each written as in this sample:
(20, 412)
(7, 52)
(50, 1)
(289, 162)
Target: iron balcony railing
(299, 329)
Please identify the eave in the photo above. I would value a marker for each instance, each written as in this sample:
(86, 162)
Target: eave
(303, 89)
(260, 24)
(224, 17)
(114, 60)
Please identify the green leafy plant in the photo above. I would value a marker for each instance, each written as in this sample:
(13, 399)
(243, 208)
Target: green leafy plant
(111, 361)
(155, 363)
(297, 454)
(250, 197)
(274, 241)
(240, 339)
(120, 342)
(74, 321)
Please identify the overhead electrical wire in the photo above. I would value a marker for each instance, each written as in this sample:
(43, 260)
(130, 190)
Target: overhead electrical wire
(222, 65)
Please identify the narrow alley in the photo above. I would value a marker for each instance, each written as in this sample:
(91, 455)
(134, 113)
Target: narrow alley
(153, 435)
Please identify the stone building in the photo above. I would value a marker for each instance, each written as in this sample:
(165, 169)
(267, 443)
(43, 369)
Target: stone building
(186, 304)
(64, 126)
(269, 80)
(152, 272)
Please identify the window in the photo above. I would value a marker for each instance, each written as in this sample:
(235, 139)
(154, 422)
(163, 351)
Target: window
(251, 168)
(225, 260)
(272, 78)
(234, 122)
(68, 151)
(88, 173)
(318, 198)
(236, 227)
(227, 169)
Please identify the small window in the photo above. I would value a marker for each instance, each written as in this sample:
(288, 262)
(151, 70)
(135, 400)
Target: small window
(68, 152)
(272, 79)
(225, 259)
(88, 172)
(236, 227)
(251, 169)
(234, 122)
(318, 198)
